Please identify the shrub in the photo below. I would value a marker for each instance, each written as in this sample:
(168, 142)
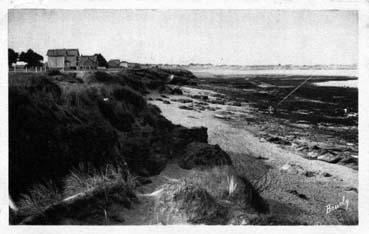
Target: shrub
(81, 200)
(79, 181)
(128, 95)
(104, 77)
(38, 198)
(54, 72)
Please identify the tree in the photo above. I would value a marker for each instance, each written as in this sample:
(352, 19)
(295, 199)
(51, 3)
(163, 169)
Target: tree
(101, 61)
(12, 57)
(31, 58)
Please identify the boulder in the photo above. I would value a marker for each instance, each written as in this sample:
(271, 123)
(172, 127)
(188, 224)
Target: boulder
(312, 155)
(198, 154)
(326, 174)
(279, 141)
(176, 91)
(236, 103)
(328, 157)
(292, 168)
(182, 80)
(183, 136)
(182, 100)
(183, 107)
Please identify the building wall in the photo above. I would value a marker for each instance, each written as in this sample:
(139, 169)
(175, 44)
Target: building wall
(86, 63)
(56, 62)
(123, 64)
(73, 61)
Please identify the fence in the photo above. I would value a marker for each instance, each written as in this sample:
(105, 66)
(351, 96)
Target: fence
(28, 69)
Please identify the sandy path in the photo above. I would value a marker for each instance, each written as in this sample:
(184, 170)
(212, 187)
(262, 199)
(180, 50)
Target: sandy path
(276, 186)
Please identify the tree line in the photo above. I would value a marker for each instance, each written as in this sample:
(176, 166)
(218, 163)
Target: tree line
(30, 57)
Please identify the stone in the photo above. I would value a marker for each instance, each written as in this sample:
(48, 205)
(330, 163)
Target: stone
(176, 91)
(329, 157)
(199, 154)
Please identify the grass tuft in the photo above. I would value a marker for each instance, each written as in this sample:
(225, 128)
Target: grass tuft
(38, 198)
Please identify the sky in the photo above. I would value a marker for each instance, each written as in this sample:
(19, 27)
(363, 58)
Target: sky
(239, 37)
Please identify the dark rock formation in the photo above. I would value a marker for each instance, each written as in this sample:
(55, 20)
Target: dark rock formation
(199, 154)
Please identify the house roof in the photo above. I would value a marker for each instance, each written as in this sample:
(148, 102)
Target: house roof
(114, 62)
(87, 59)
(62, 52)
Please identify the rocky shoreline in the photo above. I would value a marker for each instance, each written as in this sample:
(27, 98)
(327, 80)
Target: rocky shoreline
(280, 172)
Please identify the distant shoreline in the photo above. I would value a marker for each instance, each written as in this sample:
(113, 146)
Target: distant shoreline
(317, 72)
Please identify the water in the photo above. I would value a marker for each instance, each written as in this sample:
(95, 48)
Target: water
(340, 72)
(339, 83)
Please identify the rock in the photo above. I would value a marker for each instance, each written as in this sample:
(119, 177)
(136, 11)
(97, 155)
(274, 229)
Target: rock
(351, 189)
(164, 96)
(326, 174)
(165, 89)
(302, 148)
(300, 195)
(329, 157)
(199, 154)
(182, 136)
(202, 104)
(166, 102)
(278, 140)
(350, 160)
(212, 108)
(262, 158)
(291, 168)
(182, 100)
(201, 97)
(309, 173)
(185, 107)
(236, 103)
(222, 116)
(312, 155)
(217, 101)
(315, 147)
(176, 91)
(182, 80)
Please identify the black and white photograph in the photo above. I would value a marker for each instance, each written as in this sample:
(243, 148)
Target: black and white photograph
(246, 117)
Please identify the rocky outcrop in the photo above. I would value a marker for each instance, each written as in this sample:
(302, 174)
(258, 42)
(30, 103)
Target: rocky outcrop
(199, 154)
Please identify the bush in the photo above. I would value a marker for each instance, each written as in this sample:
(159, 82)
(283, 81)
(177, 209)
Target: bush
(103, 77)
(38, 198)
(117, 115)
(54, 72)
(129, 96)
